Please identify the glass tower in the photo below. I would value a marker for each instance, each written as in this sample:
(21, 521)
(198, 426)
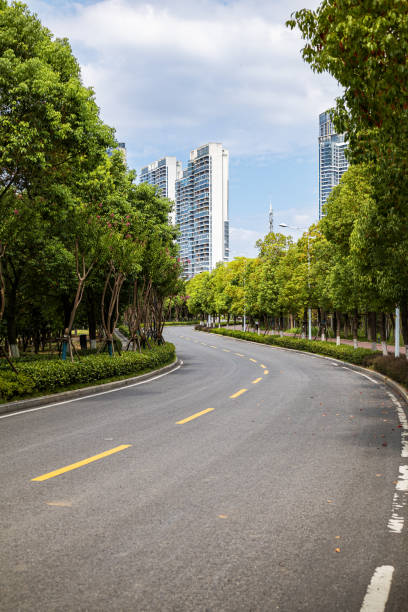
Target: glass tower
(163, 173)
(202, 210)
(332, 159)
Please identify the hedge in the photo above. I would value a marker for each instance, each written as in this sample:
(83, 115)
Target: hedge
(345, 352)
(52, 376)
(393, 367)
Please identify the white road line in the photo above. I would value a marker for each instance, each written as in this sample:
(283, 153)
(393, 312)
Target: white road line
(404, 424)
(84, 397)
(361, 374)
(402, 484)
(396, 522)
(378, 590)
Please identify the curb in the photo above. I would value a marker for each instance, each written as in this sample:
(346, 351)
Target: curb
(351, 366)
(79, 393)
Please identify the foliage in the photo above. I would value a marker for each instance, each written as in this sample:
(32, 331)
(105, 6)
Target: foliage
(49, 376)
(344, 352)
(395, 368)
(77, 231)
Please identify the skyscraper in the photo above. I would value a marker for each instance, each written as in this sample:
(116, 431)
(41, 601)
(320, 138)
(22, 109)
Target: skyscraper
(202, 209)
(163, 173)
(332, 160)
(121, 147)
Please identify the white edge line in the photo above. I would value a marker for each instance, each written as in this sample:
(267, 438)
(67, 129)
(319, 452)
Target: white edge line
(84, 397)
(378, 590)
(361, 374)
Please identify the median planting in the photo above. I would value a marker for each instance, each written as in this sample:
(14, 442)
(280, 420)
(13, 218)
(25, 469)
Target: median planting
(345, 352)
(50, 376)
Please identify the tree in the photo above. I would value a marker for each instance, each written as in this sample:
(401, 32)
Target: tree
(272, 251)
(49, 122)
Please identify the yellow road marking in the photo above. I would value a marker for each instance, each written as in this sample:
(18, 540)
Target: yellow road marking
(212, 346)
(254, 360)
(79, 464)
(194, 416)
(256, 381)
(239, 354)
(226, 350)
(263, 366)
(266, 371)
(238, 393)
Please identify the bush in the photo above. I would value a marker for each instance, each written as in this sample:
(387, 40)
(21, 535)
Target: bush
(51, 376)
(345, 352)
(170, 323)
(12, 384)
(393, 367)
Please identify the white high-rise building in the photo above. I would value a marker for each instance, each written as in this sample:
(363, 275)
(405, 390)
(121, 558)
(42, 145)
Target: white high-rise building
(332, 159)
(163, 173)
(202, 210)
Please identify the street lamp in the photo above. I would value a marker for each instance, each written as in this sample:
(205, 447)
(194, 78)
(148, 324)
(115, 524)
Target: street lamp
(309, 310)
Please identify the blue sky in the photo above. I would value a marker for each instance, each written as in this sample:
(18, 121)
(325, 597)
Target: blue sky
(171, 75)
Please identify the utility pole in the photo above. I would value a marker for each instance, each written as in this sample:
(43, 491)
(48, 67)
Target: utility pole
(270, 218)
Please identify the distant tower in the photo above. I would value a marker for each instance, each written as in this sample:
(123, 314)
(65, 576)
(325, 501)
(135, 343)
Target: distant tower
(332, 158)
(202, 210)
(270, 218)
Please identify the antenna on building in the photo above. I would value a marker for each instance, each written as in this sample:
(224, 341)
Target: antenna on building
(270, 218)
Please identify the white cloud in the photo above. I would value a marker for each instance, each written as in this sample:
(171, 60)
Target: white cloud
(173, 75)
(242, 242)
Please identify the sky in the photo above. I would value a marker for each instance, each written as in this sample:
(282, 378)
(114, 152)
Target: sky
(172, 75)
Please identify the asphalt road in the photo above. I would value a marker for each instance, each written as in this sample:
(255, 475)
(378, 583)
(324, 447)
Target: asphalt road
(289, 494)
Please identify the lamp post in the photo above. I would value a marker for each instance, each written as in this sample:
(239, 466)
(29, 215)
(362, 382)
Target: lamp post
(309, 310)
(397, 332)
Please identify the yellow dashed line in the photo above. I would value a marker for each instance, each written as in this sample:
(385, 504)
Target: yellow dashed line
(266, 371)
(194, 416)
(263, 366)
(238, 393)
(256, 381)
(253, 360)
(79, 464)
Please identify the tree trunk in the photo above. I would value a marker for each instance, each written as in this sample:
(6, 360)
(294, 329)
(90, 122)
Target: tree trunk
(91, 314)
(372, 329)
(2, 283)
(338, 327)
(11, 322)
(355, 328)
(346, 326)
(383, 334)
(404, 325)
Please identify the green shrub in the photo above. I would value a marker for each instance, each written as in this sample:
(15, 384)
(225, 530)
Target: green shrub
(345, 352)
(393, 367)
(170, 323)
(12, 384)
(51, 376)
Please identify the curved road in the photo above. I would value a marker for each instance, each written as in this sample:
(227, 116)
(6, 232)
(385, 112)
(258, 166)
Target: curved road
(287, 493)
